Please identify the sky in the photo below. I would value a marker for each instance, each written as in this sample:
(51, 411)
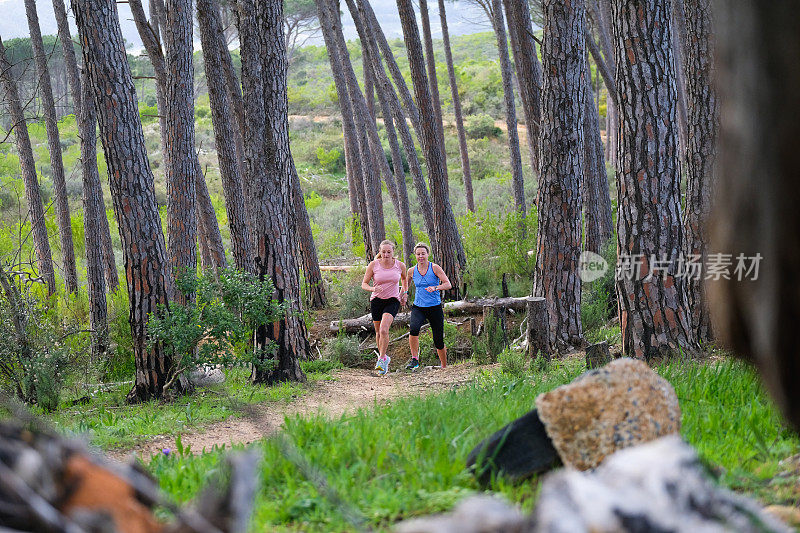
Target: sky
(462, 18)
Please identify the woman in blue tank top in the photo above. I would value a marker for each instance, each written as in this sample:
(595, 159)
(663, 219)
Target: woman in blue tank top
(429, 279)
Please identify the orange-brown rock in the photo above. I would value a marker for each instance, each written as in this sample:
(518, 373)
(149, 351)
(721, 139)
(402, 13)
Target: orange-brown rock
(622, 404)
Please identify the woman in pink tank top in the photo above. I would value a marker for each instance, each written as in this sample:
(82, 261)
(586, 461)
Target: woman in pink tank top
(385, 272)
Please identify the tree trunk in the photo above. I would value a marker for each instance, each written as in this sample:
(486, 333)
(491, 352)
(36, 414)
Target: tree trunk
(44, 258)
(679, 37)
(561, 168)
(529, 71)
(423, 196)
(430, 65)
(518, 181)
(272, 186)
(654, 317)
(131, 181)
(462, 137)
(538, 329)
(448, 250)
(208, 216)
(368, 141)
(383, 87)
(315, 285)
(757, 45)
(700, 151)
(405, 95)
(54, 147)
(352, 150)
(224, 133)
(597, 199)
(602, 17)
(181, 164)
(93, 210)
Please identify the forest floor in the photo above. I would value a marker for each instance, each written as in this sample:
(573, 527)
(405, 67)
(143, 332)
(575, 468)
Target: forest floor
(347, 391)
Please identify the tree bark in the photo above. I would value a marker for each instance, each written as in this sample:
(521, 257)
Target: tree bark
(383, 85)
(517, 180)
(262, 21)
(678, 39)
(54, 147)
(131, 181)
(224, 133)
(208, 217)
(352, 150)
(367, 139)
(757, 45)
(597, 198)
(654, 317)
(423, 196)
(538, 329)
(561, 168)
(181, 163)
(405, 94)
(448, 250)
(430, 65)
(529, 70)
(41, 243)
(703, 122)
(459, 116)
(93, 210)
(602, 18)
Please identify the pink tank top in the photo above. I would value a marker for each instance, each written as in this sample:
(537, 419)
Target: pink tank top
(386, 280)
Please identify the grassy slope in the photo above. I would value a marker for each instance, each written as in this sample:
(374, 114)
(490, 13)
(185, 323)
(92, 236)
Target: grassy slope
(406, 458)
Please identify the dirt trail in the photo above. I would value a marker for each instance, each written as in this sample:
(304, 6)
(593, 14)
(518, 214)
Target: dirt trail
(349, 390)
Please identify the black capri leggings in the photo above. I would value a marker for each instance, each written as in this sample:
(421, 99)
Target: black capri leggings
(434, 315)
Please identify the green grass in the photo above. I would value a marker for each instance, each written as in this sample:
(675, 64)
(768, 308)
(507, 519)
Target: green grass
(405, 458)
(110, 423)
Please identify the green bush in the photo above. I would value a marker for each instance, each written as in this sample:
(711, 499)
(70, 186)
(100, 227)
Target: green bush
(331, 160)
(343, 349)
(217, 325)
(513, 362)
(353, 301)
(119, 363)
(480, 126)
(39, 345)
(147, 113)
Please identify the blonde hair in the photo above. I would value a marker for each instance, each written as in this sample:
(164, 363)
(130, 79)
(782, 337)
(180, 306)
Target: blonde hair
(421, 244)
(385, 241)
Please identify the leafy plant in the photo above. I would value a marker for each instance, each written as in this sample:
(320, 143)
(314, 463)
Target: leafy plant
(479, 126)
(216, 325)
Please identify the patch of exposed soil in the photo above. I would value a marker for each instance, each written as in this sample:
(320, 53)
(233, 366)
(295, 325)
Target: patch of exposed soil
(349, 390)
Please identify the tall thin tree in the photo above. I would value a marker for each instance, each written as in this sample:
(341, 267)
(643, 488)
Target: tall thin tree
(433, 79)
(448, 250)
(93, 211)
(224, 133)
(528, 68)
(703, 120)
(517, 180)
(54, 147)
(181, 163)
(275, 245)
(459, 115)
(561, 168)
(654, 316)
(44, 258)
(131, 181)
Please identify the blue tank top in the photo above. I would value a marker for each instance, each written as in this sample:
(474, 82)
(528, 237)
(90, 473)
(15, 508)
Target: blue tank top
(423, 298)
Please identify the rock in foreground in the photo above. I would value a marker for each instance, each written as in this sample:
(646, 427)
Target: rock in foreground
(622, 404)
(658, 486)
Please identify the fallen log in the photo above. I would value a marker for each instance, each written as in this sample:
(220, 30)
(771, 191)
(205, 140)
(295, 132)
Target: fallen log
(460, 307)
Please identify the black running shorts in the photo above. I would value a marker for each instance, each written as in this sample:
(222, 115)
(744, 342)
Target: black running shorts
(379, 306)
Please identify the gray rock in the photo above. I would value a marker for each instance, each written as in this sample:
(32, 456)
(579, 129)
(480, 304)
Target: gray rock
(659, 487)
(205, 376)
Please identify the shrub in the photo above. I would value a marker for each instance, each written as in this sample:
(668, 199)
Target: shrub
(344, 350)
(216, 327)
(480, 126)
(119, 363)
(332, 160)
(353, 300)
(39, 346)
(513, 362)
(148, 113)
